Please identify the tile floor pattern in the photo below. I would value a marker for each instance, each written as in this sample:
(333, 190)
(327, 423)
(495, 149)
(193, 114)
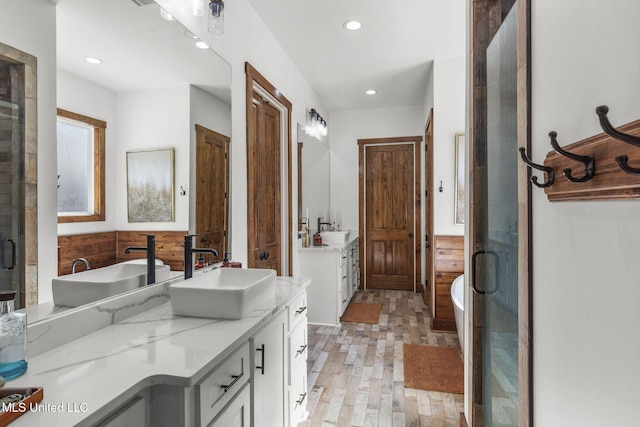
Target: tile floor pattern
(356, 371)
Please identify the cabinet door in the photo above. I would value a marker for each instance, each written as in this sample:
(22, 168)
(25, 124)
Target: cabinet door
(269, 361)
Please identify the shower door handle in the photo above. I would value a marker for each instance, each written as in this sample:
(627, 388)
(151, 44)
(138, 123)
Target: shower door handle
(13, 255)
(474, 270)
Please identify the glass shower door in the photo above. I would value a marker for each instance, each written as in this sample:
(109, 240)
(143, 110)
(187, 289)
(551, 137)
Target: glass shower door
(11, 199)
(495, 267)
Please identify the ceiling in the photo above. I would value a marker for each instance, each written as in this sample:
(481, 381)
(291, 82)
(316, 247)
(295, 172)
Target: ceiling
(140, 50)
(392, 53)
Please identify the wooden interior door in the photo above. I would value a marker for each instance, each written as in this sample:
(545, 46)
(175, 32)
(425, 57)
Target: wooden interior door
(390, 216)
(212, 189)
(264, 201)
(429, 294)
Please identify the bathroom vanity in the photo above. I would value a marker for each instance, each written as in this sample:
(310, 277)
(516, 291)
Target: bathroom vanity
(334, 270)
(136, 363)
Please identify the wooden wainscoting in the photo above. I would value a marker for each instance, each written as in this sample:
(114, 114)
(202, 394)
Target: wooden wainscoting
(169, 246)
(448, 263)
(97, 248)
(103, 249)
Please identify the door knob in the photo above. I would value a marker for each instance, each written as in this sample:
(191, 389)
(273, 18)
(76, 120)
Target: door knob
(411, 235)
(264, 255)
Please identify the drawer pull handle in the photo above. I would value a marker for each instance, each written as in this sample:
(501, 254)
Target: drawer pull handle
(301, 350)
(236, 378)
(302, 397)
(301, 310)
(261, 367)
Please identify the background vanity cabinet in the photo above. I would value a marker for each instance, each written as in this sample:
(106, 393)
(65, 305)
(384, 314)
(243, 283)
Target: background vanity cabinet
(354, 266)
(335, 274)
(269, 373)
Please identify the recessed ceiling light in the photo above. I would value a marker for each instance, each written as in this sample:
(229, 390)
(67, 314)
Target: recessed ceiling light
(202, 45)
(188, 34)
(93, 60)
(371, 92)
(166, 15)
(352, 25)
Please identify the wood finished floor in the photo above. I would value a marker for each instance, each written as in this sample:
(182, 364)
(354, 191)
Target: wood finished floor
(356, 371)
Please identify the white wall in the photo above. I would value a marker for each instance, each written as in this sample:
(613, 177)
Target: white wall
(346, 127)
(30, 26)
(585, 254)
(150, 119)
(448, 119)
(87, 98)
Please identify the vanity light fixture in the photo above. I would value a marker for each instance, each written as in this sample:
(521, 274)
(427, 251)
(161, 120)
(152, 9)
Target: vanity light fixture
(371, 92)
(316, 125)
(216, 17)
(202, 45)
(352, 25)
(93, 60)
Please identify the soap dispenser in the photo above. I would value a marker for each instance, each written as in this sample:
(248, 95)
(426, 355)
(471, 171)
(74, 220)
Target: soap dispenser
(13, 338)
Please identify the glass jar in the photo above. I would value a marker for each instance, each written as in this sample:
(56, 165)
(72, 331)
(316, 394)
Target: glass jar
(13, 338)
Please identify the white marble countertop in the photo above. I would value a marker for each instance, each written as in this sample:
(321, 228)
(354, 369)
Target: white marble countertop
(87, 378)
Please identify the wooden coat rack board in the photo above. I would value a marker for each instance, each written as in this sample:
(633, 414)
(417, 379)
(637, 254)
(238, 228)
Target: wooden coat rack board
(603, 167)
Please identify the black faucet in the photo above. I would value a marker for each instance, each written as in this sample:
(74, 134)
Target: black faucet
(189, 250)
(151, 256)
(320, 224)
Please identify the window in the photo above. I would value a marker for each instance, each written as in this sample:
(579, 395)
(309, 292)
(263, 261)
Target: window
(81, 146)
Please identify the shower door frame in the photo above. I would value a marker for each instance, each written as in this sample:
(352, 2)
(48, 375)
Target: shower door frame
(485, 17)
(23, 71)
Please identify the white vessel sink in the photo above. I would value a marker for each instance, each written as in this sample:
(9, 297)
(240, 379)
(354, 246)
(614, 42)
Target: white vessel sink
(335, 237)
(224, 293)
(87, 286)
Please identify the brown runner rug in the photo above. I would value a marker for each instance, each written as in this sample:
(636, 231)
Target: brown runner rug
(433, 368)
(362, 313)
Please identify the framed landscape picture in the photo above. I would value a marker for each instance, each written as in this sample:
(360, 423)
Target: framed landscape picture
(150, 187)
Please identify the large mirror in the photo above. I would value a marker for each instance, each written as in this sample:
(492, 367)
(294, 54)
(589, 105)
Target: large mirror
(156, 90)
(313, 180)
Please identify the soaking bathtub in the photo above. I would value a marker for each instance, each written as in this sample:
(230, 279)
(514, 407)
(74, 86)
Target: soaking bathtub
(457, 297)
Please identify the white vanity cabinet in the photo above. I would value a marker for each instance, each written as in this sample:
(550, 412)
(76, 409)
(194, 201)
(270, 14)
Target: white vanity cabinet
(269, 373)
(335, 276)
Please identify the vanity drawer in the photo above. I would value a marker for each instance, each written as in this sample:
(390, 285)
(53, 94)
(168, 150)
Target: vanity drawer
(297, 311)
(298, 347)
(342, 257)
(298, 397)
(224, 381)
